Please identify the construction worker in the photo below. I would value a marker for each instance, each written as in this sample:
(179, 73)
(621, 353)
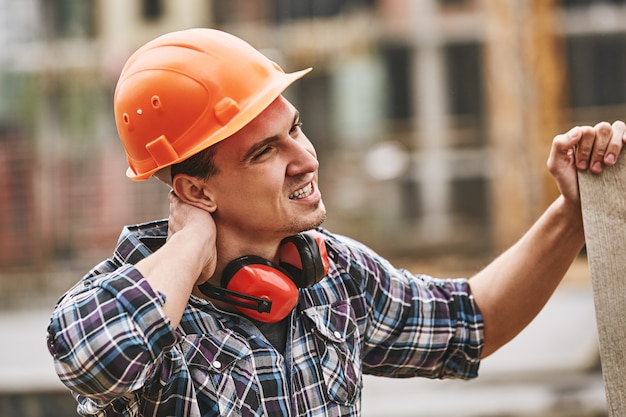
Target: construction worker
(239, 303)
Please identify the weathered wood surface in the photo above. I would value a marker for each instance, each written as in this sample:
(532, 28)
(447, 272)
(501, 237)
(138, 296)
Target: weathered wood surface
(604, 217)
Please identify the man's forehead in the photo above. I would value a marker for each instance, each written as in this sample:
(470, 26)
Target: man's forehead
(279, 108)
(278, 115)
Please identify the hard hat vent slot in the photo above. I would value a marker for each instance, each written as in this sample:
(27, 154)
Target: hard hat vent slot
(127, 122)
(225, 110)
(162, 151)
(156, 103)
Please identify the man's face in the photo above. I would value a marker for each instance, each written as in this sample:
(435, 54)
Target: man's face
(267, 181)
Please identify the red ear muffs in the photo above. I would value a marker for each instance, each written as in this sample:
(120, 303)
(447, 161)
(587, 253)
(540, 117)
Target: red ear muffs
(265, 291)
(304, 255)
(262, 279)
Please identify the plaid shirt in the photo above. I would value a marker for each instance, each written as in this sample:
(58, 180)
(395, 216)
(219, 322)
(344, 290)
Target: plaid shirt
(115, 349)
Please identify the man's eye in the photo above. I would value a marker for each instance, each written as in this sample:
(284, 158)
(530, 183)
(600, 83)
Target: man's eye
(295, 127)
(262, 152)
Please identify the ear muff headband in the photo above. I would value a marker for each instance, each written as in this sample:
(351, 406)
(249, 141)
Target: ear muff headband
(260, 305)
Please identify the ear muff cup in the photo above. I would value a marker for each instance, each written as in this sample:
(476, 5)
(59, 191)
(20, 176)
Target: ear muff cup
(257, 277)
(300, 255)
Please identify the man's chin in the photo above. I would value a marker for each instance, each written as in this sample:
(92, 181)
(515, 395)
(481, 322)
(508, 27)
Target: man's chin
(304, 225)
(319, 222)
(321, 217)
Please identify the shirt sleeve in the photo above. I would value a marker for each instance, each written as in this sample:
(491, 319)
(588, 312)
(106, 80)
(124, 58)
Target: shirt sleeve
(108, 333)
(415, 325)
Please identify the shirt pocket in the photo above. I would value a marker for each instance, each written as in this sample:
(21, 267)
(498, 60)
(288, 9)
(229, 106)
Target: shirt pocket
(336, 340)
(221, 369)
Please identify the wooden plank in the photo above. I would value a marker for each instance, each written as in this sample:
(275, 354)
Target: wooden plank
(603, 200)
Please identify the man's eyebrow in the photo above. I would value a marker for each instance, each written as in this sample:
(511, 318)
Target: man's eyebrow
(260, 145)
(256, 147)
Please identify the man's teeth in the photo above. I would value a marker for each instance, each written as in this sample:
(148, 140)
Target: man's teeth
(301, 193)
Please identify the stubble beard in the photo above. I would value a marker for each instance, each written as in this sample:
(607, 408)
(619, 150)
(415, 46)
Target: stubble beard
(301, 225)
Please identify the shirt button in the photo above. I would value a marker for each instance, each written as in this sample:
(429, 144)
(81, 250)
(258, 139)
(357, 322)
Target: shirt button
(337, 334)
(217, 364)
(90, 407)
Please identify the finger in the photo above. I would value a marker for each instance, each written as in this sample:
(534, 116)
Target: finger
(585, 147)
(570, 139)
(172, 197)
(562, 149)
(565, 142)
(603, 133)
(615, 144)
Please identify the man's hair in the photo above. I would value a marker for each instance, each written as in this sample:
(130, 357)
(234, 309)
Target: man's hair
(201, 165)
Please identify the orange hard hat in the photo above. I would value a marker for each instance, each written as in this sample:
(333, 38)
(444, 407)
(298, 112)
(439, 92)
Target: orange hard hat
(185, 91)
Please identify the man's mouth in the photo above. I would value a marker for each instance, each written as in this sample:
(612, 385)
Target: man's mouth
(302, 192)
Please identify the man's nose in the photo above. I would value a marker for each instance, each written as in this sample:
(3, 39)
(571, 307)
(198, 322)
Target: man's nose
(304, 158)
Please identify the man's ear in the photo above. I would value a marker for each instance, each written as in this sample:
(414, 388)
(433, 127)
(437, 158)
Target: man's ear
(194, 191)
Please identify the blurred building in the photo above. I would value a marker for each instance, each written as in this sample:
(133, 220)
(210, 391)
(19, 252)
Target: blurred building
(401, 107)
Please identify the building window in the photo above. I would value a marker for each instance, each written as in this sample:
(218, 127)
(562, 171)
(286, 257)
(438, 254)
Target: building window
(70, 18)
(464, 69)
(588, 3)
(306, 9)
(152, 9)
(397, 60)
(455, 3)
(466, 92)
(597, 65)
